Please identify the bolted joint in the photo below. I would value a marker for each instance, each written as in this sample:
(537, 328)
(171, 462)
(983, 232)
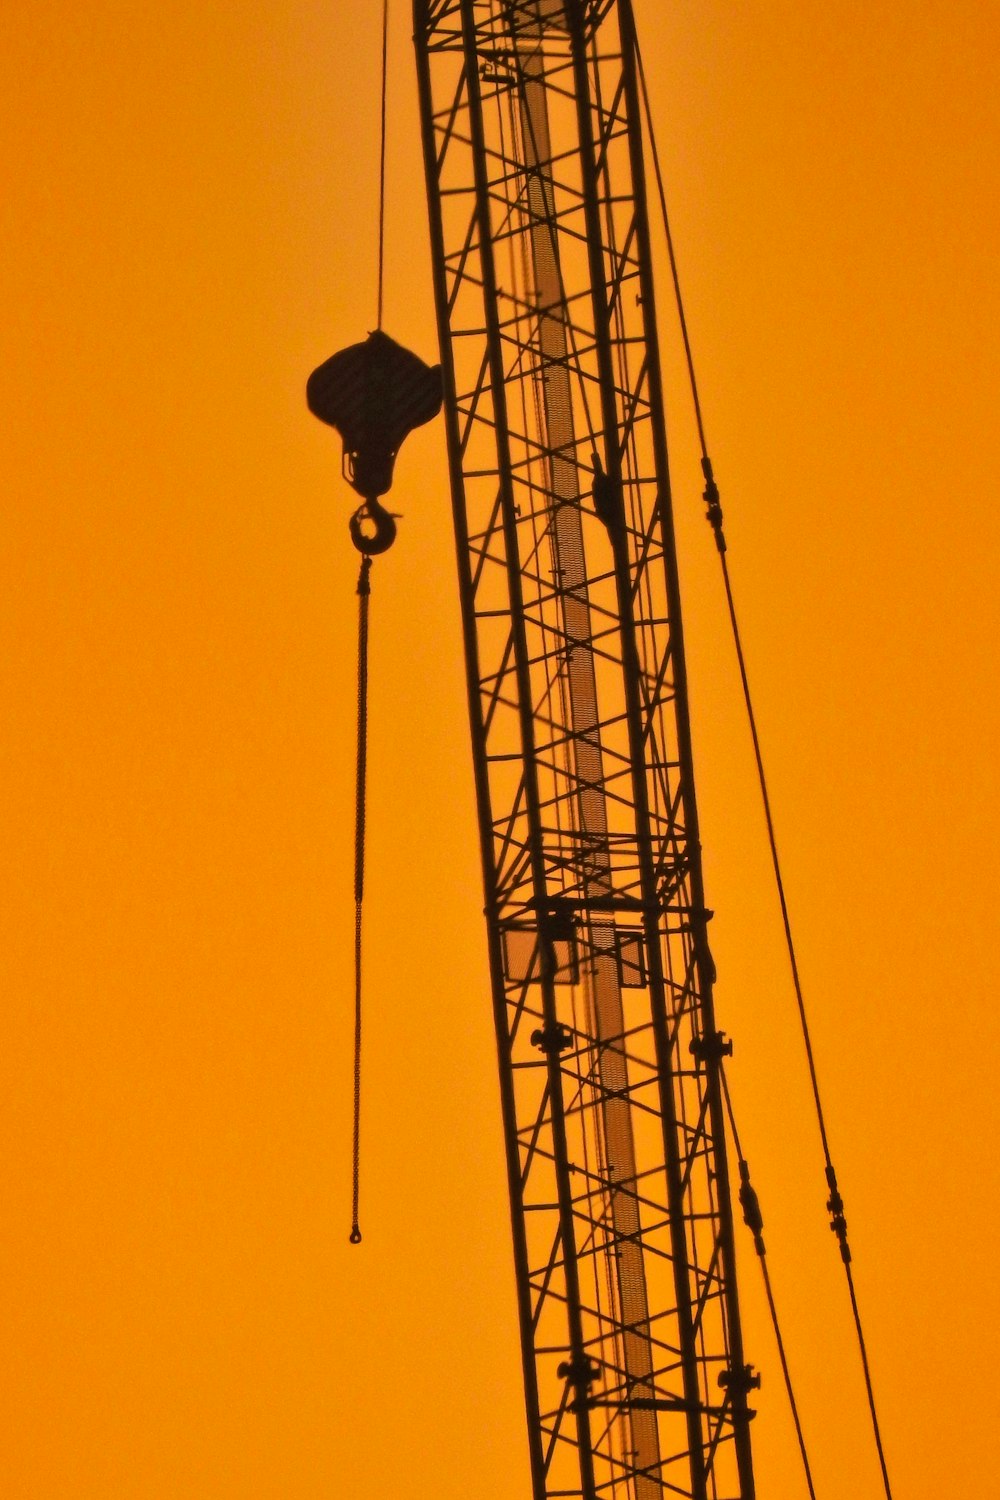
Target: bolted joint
(580, 1373)
(739, 1380)
(552, 1039)
(712, 1047)
(607, 499)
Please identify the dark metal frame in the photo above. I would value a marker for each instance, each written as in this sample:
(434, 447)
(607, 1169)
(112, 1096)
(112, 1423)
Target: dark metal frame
(635, 1383)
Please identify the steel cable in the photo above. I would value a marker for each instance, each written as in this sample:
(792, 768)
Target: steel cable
(755, 1223)
(381, 167)
(835, 1204)
(364, 593)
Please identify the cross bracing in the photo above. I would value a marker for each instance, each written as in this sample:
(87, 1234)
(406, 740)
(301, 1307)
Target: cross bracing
(602, 977)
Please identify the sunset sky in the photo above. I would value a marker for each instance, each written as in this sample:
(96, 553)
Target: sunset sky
(188, 223)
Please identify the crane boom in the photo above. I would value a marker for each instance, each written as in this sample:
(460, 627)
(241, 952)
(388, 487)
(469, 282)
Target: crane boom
(609, 1053)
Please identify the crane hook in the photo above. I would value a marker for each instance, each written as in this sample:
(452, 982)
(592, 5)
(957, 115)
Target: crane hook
(373, 528)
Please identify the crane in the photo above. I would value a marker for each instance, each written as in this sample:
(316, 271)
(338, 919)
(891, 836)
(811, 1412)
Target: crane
(613, 1096)
(636, 1384)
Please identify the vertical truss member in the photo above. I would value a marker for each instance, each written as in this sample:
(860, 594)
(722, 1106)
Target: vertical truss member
(634, 1372)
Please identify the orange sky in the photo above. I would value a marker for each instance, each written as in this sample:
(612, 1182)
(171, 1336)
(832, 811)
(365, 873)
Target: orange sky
(188, 227)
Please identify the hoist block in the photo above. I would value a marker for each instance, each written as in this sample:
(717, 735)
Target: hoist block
(374, 394)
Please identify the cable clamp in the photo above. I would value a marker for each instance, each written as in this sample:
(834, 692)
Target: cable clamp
(711, 497)
(750, 1204)
(838, 1222)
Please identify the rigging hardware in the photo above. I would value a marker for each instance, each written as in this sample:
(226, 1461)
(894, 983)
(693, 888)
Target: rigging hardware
(713, 514)
(374, 394)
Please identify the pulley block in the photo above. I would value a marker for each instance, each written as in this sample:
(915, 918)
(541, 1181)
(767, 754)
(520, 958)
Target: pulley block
(374, 393)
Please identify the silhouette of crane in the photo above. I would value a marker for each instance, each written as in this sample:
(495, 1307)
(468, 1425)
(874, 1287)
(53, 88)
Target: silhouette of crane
(609, 1052)
(613, 1092)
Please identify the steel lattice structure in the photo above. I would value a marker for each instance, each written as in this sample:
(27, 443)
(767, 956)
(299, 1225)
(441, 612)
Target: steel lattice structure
(609, 1053)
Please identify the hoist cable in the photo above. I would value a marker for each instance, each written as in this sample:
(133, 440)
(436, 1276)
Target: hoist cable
(755, 1223)
(670, 248)
(835, 1203)
(364, 592)
(381, 168)
(868, 1379)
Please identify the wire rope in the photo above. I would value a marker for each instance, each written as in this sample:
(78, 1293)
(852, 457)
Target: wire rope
(364, 593)
(755, 1223)
(381, 167)
(835, 1203)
